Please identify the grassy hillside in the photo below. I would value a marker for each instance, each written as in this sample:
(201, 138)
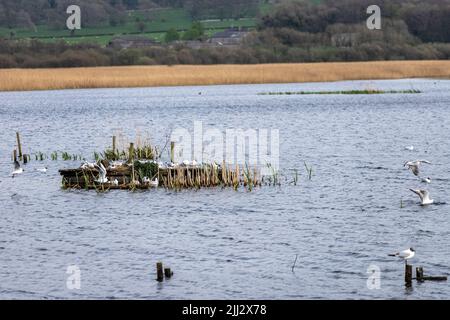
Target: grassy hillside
(157, 22)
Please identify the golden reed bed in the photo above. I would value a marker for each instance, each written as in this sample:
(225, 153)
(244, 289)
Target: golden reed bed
(149, 76)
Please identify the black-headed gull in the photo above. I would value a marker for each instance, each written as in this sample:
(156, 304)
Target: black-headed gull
(426, 180)
(405, 254)
(414, 165)
(88, 165)
(151, 183)
(424, 196)
(102, 174)
(17, 168)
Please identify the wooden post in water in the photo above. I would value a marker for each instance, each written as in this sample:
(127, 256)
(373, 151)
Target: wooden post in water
(19, 146)
(114, 145)
(419, 274)
(172, 151)
(15, 155)
(131, 153)
(408, 274)
(168, 273)
(159, 272)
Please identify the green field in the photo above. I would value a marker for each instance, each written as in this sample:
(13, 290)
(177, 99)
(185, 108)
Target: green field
(157, 22)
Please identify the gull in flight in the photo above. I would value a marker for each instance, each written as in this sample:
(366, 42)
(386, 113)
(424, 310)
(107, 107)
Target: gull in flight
(424, 196)
(102, 174)
(414, 165)
(17, 168)
(405, 254)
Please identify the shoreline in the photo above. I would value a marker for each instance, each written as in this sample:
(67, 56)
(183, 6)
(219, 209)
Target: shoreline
(192, 75)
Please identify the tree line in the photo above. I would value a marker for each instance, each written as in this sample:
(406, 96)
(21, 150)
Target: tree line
(295, 31)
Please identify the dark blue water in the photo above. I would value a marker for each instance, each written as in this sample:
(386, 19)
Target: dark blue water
(221, 243)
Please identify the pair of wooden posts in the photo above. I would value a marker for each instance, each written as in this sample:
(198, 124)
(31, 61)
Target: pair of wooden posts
(419, 275)
(21, 157)
(162, 272)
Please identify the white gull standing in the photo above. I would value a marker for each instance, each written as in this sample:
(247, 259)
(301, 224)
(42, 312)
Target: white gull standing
(405, 254)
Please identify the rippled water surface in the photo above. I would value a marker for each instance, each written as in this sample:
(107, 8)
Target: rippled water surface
(220, 243)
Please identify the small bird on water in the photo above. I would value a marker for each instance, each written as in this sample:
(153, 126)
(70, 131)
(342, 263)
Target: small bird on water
(405, 254)
(426, 180)
(43, 170)
(424, 196)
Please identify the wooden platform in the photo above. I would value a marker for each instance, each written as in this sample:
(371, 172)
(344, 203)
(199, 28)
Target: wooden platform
(185, 177)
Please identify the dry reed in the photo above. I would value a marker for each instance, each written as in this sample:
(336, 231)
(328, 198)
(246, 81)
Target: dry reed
(148, 76)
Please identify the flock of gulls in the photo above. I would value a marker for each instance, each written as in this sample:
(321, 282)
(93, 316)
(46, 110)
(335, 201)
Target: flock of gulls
(423, 194)
(413, 166)
(19, 170)
(152, 182)
(102, 178)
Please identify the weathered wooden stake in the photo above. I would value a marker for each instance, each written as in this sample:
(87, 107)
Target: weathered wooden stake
(131, 153)
(159, 272)
(19, 146)
(25, 158)
(15, 155)
(419, 274)
(168, 273)
(114, 144)
(172, 151)
(408, 274)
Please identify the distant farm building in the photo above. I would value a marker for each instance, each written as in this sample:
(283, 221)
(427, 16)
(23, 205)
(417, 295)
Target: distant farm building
(229, 37)
(128, 42)
(344, 39)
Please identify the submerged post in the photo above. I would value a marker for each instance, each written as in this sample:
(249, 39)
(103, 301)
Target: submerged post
(435, 278)
(19, 146)
(172, 151)
(15, 155)
(168, 273)
(408, 274)
(159, 272)
(419, 274)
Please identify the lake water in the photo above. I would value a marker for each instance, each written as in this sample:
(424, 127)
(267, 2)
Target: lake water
(223, 244)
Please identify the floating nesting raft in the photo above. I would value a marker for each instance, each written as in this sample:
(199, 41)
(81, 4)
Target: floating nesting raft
(174, 178)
